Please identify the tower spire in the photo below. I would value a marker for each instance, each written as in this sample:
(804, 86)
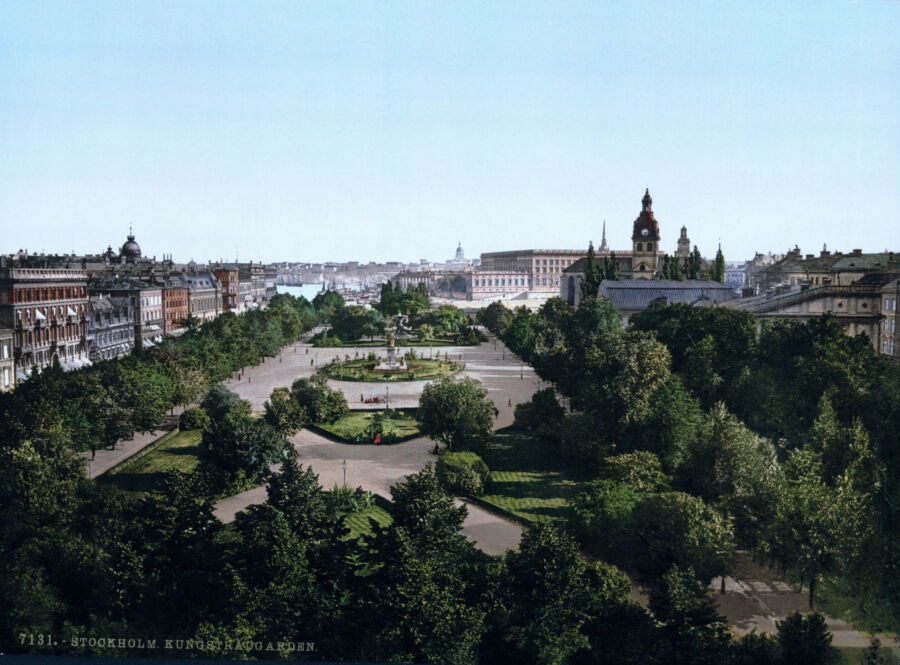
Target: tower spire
(603, 245)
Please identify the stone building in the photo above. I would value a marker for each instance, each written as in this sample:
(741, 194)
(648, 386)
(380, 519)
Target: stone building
(491, 283)
(46, 308)
(7, 361)
(204, 295)
(858, 307)
(890, 296)
(110, 327)
(539, 269)
(146, 299)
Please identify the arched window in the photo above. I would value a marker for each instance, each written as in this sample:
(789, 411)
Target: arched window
(640, 246)
(649, 246)
(570, 293)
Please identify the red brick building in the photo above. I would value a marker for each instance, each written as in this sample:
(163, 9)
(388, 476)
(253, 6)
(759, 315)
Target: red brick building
(46, 309)
(228, 277)
(175, 307)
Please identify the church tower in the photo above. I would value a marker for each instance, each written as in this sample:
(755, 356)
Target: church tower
(684, 245)
(645, 242)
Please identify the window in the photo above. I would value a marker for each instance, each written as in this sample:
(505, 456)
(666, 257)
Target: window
(640, 246)
(5, 377)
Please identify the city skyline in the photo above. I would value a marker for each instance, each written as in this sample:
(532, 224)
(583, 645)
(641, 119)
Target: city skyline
(369, 132)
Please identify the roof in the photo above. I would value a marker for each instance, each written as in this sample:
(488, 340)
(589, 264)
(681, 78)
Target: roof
(637, 294)
(863, 261)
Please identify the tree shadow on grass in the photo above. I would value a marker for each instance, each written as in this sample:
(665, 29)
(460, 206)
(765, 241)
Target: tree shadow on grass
(134, 482)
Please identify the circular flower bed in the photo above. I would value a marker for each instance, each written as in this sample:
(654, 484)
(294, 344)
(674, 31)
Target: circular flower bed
(366, 370)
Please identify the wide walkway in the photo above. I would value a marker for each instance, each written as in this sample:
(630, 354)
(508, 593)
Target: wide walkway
(377, 468)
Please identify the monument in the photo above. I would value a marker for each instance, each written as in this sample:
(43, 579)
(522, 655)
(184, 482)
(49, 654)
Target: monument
(391, 363)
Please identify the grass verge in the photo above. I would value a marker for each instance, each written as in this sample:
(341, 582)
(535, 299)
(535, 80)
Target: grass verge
(351, 428)
(356, 370)
(176, 450)
(527, 478)
(359, 525)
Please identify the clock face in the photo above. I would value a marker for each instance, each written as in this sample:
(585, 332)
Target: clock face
(645, 232)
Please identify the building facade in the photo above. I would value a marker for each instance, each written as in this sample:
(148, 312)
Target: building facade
(110, 327)
(174, 306)
(204, 295)
(228, 278)
(491, 283)
(630, 296)
(147, 303)
(46, 308)
(7, 361)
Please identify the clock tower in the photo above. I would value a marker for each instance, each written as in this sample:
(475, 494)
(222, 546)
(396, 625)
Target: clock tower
(645, 241)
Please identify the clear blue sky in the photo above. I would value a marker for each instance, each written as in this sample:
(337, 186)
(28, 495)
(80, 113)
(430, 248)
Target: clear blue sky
(392, 130)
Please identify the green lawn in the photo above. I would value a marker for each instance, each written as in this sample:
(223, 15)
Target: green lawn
(176, 450)
(380, 343)
(527, 478)
(355, 370)
(350, 427)
(358, 523)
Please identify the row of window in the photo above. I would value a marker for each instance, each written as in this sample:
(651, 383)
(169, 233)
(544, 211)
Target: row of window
(518, 281)
(50, 293)
(151, 300)
(51, 313)
(112, 337)
(151, 315)
(44, 336)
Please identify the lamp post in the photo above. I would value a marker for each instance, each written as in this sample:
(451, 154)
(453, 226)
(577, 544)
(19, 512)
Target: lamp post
(344, 464)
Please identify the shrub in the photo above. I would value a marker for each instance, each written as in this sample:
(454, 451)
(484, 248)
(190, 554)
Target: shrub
(542, 415)
(344, 499)
(326, 339)
(462, 473)
(194, 418)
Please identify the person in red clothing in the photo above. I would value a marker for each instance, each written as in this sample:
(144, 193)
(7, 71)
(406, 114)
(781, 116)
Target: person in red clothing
(377, 439)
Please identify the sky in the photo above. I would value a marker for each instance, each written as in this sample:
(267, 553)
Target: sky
(374, 131)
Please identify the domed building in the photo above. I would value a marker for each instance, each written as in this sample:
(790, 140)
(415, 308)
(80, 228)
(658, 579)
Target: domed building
(131, 251)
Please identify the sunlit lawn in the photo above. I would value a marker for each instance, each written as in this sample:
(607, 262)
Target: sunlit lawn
(176, 451)
(527, 478)
(359, 525)
(351, 427)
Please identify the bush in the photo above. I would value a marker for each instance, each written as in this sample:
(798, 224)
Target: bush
(344, 499)
(194, 418)
(462, 473)
(326, 339)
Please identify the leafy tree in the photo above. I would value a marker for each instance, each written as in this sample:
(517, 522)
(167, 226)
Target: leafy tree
(495, 317)
(802, 533)
(694, 265)
(717, 273)
(194, 418)
(542, 415)
(355, 322)
(220, 402)
(611, 267)
(551, 593)
(730, 466)
(457, 413)
(621, 375)
(600, 514)
(237, 443)
(327, 304)
(673, 528)
(284, 413)
(593, 274)
(668, 424)
(296, 493)
(322, 403)
(641, 470)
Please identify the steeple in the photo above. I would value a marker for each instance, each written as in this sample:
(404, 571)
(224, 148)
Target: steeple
(603, 245)
(647, 201)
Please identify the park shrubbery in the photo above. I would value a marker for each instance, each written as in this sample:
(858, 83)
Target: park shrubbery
(194, 418)
(463, 473)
